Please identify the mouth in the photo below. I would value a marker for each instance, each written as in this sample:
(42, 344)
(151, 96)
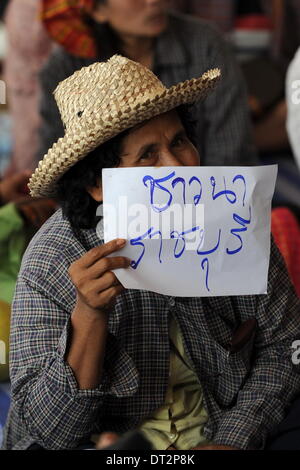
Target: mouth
(157, 18)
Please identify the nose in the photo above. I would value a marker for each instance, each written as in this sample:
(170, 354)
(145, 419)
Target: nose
(167, 158)
(160, 3)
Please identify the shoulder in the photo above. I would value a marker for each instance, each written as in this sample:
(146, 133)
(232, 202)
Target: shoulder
(60, 57)
(60, 65)
(198, 42)
(190, 27)
(52, 249)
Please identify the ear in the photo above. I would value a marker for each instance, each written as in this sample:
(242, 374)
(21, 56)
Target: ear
(96, 192)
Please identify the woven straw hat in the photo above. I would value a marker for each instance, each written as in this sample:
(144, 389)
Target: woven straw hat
(100, 101)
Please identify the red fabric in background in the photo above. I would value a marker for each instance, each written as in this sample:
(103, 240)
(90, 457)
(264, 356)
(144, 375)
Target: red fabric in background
(286, 233)
(253, 22)
(64, 21)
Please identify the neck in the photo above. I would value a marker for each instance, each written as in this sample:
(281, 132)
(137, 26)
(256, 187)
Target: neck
(138, 49)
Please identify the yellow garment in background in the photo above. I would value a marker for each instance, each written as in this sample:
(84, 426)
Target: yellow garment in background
(4, 340)
(14, 238)
(180, 421)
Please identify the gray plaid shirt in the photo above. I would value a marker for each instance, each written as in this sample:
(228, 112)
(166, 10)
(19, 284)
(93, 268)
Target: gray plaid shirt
(247, 382)
(187, 49)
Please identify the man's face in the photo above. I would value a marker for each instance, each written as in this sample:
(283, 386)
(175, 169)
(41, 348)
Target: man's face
(145, 18)
(161, 141)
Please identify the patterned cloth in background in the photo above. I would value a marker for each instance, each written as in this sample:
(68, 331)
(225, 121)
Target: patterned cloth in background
(64, 21)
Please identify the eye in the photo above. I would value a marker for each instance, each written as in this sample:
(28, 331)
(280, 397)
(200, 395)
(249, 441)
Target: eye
(178, 141)
(147, 155)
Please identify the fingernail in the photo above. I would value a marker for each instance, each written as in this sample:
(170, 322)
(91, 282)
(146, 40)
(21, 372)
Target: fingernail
(107, 439)
(121, 242)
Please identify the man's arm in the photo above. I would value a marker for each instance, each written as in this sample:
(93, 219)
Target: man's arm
(274, 380)
(56, 358)
(57, 414)
(96, 287)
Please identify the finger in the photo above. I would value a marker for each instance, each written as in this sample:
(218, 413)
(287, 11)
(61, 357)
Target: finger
(108, 297)
(106, 439)
(104, 300)
(97, 286)
(106, 281)
(108, 264)
(101, 251)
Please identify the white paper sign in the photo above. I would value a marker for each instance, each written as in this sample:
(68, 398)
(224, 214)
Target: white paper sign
(191, 231)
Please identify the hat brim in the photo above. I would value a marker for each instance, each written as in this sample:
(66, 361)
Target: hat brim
(78, 142)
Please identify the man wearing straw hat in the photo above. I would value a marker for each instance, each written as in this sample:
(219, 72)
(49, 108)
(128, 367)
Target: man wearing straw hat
(78, 365)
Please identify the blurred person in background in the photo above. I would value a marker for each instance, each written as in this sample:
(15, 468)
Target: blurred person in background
(5, 141)
(265, 35)
(173, 46)
(20, 217)
(28, 46)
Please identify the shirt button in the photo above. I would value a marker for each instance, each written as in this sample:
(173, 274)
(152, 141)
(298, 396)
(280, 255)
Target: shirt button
(172, 436)
(172, 302)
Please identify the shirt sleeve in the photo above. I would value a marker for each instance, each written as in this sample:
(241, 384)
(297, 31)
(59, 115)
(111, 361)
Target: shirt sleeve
(56, 414)
(228, 135)
(274, 380)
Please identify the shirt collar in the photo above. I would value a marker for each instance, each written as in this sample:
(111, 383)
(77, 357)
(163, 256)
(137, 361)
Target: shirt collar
(90, 238)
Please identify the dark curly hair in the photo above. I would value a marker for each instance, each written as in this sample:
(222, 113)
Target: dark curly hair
(76, 203)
